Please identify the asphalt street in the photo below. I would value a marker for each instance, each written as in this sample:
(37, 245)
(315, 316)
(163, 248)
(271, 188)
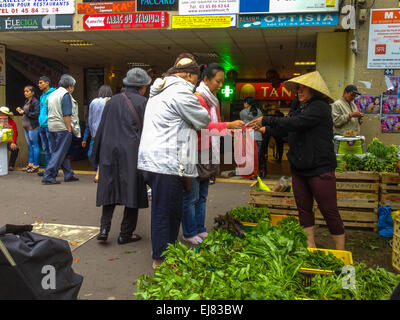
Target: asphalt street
(110, 270)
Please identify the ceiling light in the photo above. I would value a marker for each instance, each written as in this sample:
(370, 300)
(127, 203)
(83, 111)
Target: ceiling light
(138, 64)
(77, 43)
(310, 63)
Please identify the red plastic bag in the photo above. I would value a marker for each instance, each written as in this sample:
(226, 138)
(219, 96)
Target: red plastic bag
(245, 152)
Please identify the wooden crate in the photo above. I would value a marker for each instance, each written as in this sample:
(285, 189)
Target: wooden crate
(276, 202)
(357, 199)
(390, 190)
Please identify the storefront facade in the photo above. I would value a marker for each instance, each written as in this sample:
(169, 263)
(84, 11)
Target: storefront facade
(97, 42)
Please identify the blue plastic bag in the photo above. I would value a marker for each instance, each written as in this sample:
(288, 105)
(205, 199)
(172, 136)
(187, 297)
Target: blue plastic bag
(385, 222)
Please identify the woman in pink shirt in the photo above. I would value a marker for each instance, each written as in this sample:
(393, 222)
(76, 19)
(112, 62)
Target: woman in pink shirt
(194, 200)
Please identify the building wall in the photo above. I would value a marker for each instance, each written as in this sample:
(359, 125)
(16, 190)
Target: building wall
(371, 126)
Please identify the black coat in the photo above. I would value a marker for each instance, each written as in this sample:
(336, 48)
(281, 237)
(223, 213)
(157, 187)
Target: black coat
(33, 114)
(310, 134)
(116, 149)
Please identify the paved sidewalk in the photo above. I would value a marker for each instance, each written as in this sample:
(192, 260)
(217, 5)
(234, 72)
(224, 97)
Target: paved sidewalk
(110, 270)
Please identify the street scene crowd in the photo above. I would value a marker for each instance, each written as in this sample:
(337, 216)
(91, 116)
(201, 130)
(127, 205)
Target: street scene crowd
(154, 146)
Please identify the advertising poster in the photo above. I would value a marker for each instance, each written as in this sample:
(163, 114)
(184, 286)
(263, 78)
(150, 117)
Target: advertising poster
(106, 7)
(390, 105)
(36, 7)
(288, 20)
(390, 124)
(143, 20)
(157, 5)
(199, 7)
(213, 21)
(368, 103)
(384, 39)
(288, 6)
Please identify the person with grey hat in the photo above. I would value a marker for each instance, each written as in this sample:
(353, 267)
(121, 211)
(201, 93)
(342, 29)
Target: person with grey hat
(346, 116)
(169, 140)
(115, 149)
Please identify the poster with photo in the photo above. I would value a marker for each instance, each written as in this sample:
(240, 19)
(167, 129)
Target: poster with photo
(368, 104)
(390, 124)
(390, 105)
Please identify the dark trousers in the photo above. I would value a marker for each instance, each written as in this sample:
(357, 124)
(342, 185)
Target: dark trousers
(61, 143)
(129, 221)
(13, 155)
(323, 189)
(166, 210)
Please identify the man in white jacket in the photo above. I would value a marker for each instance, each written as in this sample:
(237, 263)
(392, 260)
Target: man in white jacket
(168, 143)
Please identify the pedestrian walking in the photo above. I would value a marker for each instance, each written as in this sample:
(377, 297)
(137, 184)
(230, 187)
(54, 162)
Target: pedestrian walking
(173, 113)
(11, 146)
(63, 122)
(250, 112)
(44, 133)
(115, 149)
(311, 153)
(96, 108)
(195, 198)
(30, 123)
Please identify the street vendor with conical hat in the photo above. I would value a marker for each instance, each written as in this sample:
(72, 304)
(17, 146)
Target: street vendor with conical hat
(309, 128)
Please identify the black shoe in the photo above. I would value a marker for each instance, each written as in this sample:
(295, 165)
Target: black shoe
(40, 173)
(72, 179)
(103, 235)
(50, 182)
(123, 240)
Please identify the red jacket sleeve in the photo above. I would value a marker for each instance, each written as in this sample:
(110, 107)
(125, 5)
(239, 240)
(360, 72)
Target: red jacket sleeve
(12, 123)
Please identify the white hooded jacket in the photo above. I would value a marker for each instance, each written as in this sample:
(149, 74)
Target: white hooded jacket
(168, 143)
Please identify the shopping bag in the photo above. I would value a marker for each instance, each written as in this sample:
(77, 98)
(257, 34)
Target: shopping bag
(35, 267)
(245, 152)
(7, 135)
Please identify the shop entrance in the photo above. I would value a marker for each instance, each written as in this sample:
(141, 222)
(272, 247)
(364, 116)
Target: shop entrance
(89, 54)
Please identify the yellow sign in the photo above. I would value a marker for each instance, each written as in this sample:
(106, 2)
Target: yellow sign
(330, 3)
(187, 22)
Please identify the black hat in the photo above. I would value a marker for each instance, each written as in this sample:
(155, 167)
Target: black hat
(352, 88)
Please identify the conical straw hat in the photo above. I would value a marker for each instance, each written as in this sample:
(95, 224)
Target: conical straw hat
(312, 80)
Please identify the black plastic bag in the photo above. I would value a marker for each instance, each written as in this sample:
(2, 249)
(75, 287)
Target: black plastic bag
(35, 267)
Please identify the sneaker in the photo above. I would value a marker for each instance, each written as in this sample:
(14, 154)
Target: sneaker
(203, 235)
(194, 240)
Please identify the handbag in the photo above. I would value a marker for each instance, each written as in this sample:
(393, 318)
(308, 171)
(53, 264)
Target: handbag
(208, 170)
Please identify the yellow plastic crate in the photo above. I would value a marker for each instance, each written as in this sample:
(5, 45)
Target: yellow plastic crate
(308, 274)
(396, 241)
(275, 218)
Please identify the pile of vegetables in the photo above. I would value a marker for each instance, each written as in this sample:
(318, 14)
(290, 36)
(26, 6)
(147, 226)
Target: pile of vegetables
(379, 158)
(249, 214)
(263, 264)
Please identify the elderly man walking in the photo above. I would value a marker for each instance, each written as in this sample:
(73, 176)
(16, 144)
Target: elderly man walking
(62, 121)
(346, 116)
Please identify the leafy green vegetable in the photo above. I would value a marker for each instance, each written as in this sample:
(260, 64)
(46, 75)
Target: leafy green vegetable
(263, 264)
(249, 214)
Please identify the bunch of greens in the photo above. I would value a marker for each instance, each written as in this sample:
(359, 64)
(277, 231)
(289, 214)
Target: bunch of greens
(249, 214)
(263, 264)
(380, 158)
(321, 260)
(229, 223)
(352, 162)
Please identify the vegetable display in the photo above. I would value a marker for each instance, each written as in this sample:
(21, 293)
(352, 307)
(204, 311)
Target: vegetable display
(249, 214)
(263, 264)
(379, 158)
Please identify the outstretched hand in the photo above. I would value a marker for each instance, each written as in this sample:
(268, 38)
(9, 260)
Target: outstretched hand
(255, 124)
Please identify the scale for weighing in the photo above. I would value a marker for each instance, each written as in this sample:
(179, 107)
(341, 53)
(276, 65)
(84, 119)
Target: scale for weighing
(349, 145)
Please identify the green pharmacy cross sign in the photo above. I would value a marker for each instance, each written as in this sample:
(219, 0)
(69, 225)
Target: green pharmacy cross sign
(227, 91)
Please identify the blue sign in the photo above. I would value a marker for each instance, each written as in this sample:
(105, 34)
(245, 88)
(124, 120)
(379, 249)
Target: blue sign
(254, 6)
(288, 20)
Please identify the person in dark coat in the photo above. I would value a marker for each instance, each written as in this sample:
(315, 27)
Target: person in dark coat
(115, 149)
(311, 153)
